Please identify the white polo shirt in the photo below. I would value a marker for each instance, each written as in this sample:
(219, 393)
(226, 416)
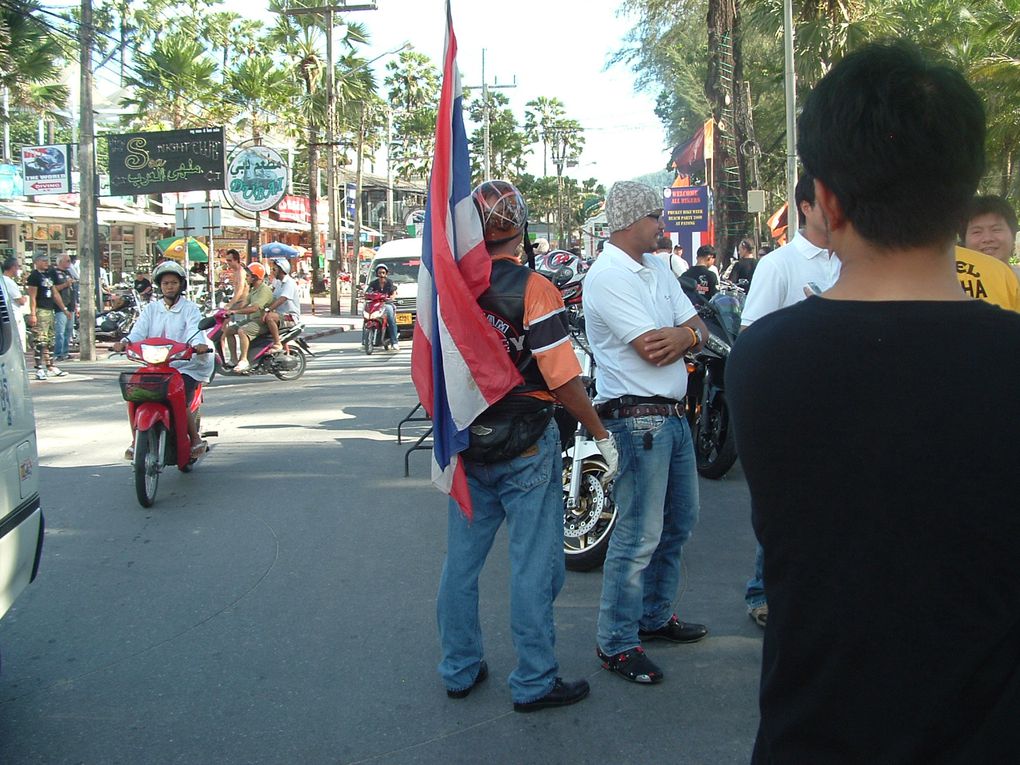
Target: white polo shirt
(180, 323)
(781, 276)
(624, 299)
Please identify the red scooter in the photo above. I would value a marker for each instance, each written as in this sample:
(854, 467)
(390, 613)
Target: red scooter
(158, 411)
(375, 329)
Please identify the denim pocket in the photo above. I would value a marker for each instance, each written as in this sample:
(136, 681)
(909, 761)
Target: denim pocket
(652, 422)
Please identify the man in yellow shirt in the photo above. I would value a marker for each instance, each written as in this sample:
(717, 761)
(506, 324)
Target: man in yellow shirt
(987, 278)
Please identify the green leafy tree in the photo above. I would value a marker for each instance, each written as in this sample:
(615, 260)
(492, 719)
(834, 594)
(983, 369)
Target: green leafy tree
(508, 144)
(172, 85)
(413, 85)
(541, 115)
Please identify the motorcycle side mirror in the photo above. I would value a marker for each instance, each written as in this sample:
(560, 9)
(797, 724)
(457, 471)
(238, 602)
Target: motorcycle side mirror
(207, 323)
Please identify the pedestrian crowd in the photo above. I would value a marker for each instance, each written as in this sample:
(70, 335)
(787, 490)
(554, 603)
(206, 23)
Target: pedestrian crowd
(872, 400)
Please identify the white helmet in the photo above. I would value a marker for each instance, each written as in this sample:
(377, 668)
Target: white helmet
(282, 264)
(170, 267)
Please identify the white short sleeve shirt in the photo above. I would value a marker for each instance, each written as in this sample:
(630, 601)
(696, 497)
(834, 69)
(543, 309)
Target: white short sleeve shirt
(624, 299)
(287, 288)
(780, 278)
(178, 322)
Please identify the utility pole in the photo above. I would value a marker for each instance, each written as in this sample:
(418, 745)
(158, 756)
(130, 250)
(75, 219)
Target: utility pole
(334, 240)
(88, 229)
(486, 160)
(792, 213)
(356, 260)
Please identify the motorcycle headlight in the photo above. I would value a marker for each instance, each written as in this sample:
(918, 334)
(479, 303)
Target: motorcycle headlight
(155, 354)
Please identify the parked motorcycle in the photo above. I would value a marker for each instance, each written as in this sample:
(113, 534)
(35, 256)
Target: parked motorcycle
(566, 270)
(288, 364)
(116, 323)
(589, 511)
(707, 410)
(158, 411)
(375, 327)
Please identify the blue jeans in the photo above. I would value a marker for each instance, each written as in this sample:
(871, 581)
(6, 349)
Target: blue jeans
(755, 595)
(528, 492)
(391, 322)
(657, 499)
(62, 327)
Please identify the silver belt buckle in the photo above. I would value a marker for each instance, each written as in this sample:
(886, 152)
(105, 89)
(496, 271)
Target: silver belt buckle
(676, 408)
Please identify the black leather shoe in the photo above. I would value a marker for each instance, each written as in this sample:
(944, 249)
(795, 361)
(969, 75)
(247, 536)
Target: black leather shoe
(561, 695)
(676, 631)
(483, 672)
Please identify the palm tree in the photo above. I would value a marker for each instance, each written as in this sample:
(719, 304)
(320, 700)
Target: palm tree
(257, 85)
(540, 116)
(173, 84)
(30, 63)
(413, 95)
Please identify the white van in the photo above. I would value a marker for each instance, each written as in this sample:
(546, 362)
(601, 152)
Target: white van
(21, 520)
(402, 257)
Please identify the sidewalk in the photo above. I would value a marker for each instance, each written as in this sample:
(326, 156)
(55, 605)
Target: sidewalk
(322, 323)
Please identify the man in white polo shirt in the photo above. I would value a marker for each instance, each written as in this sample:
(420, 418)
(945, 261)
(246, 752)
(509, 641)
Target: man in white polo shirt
(640, 324)
(784, 277)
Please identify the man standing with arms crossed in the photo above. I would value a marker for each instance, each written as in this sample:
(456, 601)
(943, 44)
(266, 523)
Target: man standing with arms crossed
(640, 325)
(787, 276)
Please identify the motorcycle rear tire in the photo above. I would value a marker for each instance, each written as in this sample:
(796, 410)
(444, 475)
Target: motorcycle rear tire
(296, 372)
(716, 450)
(146, 465)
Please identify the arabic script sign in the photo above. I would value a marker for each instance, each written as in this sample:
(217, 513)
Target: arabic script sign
(256, 177)
(165, 161)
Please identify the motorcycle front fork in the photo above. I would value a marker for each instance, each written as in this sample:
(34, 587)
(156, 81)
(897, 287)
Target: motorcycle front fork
(574, 492)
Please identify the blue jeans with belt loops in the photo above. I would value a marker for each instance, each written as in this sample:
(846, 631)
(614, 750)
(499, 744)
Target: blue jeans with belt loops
(527, 492)
(656, 494)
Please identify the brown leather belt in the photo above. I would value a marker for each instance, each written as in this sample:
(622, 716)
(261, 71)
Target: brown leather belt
(628, 406)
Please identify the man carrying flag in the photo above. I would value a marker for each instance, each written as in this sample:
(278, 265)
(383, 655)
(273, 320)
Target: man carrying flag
(491, 352)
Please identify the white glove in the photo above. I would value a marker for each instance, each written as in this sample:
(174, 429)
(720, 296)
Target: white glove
(607, 448)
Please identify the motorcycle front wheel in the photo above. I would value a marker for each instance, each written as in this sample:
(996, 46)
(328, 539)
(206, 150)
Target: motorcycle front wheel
(148, 449)
(368, 340)
(588, 527)
(293, 356)
(714, 446)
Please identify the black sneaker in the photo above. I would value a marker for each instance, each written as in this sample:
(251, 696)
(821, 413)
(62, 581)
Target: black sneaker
(633, 665)
(483, 672)
(561, 695)
(676, 631)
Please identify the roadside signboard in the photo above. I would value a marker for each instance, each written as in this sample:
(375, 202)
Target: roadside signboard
(46, 169)
(685, 208)
(194, 219)
(256, 177)
(165, 161)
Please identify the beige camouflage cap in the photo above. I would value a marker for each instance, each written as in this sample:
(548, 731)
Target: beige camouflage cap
(629, 201)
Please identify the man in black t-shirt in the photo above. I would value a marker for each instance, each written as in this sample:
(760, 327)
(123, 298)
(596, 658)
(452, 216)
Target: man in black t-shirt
(143, 288)
(382, 283)
(743, 270)
(43, 300)
(705, 281)
(890, 559)
(63, 330)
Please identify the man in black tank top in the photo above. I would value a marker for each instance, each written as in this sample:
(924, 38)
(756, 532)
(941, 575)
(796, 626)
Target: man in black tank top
(516, 480)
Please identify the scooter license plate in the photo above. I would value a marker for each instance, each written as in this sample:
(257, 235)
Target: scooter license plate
(404, 318)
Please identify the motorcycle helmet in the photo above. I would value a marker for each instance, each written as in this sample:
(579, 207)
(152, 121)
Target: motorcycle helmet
(257, 270)
(283, 264)
(502, 210)
(170, 267)
(382, 267)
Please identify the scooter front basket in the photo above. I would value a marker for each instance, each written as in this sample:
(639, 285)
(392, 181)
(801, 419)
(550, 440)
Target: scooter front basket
(139, 388)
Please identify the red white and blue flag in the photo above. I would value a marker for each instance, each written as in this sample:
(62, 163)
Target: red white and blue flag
(459, 363)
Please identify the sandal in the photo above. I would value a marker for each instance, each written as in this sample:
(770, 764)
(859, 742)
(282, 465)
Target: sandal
(632, 665)
(197, 450)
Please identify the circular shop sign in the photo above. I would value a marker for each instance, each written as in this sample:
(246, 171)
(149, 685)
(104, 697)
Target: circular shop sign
(256, 178)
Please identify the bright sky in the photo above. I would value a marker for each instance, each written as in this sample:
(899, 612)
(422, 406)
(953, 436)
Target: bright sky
(554, 49)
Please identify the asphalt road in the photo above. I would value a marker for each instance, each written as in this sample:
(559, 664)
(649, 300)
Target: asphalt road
(276, 605)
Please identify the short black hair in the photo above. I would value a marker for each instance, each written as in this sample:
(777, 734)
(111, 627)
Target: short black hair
(898, 140)
(233, 254)
(804, 191)
(705, 250)
(9, 262)
(989, 205)
(664, 244)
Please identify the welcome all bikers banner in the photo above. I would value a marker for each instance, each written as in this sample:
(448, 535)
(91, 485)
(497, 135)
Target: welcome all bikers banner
(685, 208)
(166, 161)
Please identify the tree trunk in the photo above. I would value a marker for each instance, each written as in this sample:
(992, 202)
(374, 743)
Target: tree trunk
(727, 92)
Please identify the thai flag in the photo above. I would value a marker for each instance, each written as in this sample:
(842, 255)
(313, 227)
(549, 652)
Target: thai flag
(459, 363)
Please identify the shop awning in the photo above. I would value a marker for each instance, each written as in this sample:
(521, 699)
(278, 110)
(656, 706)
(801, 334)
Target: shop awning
(7, 213)
(54, 211)
(126, 216)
